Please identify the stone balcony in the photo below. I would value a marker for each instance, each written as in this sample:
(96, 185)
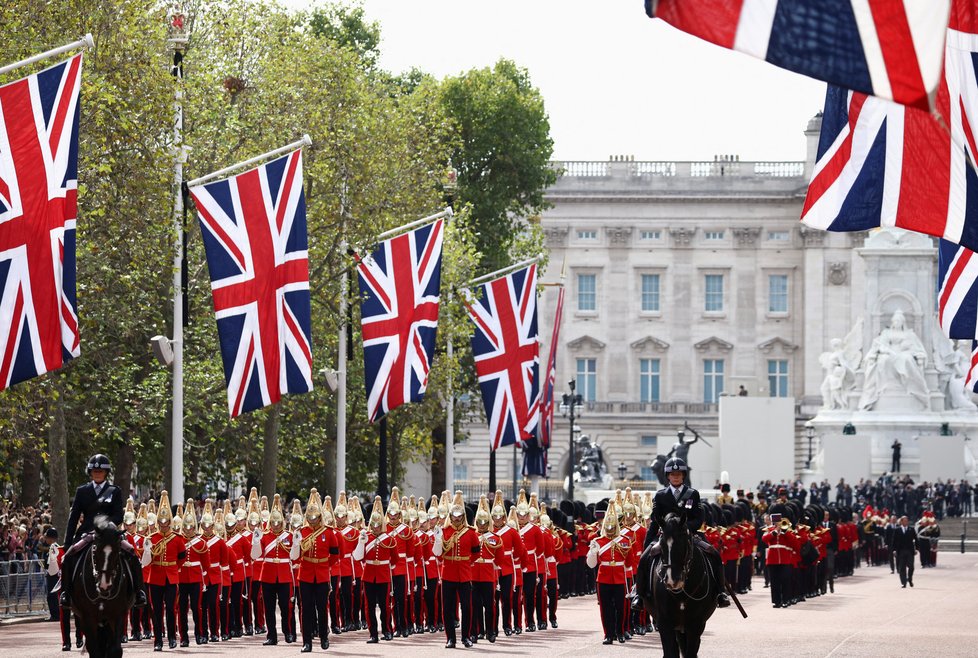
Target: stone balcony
(622, 177)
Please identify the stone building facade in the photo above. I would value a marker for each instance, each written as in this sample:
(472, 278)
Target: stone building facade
(685, 281)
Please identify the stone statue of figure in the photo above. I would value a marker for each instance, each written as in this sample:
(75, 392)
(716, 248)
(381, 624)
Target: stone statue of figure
(680, 449)
(591, 464)
(895, 361)
(952, 372)
(840, 364)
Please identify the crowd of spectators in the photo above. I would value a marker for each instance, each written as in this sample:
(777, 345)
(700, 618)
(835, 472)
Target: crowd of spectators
(899, 495)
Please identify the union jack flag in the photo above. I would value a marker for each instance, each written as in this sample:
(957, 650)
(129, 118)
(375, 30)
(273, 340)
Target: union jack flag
(882, 164)
(400, 283)
(507, 355)
(958, 295)
(887, 48)
(38, 213)
(547, 404)
(254, 230)
(971, 380)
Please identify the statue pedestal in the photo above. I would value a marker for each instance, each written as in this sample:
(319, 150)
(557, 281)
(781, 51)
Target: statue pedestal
(925, 454)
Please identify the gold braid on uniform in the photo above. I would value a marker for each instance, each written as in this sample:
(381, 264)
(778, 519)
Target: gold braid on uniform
(157, 549)
(307, 542)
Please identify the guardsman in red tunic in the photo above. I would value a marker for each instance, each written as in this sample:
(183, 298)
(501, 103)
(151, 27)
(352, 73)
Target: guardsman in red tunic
(357, 520)
(610, 553)
(193, 578)
(347, 538)
(459, 546)
(56, 554)
(432, 571)
(136, 541)
(333, 607)
(378, 550)
(553, 547)
(238, 541)
(405, 548)
(415, 511)
(162, 552)
(314, 546)
(217, 552)
(512, 553)
(484, 576)
(224, 527)
(533, 543)
(273, 549)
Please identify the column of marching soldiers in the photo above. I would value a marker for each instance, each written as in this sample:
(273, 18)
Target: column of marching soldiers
(465, 570)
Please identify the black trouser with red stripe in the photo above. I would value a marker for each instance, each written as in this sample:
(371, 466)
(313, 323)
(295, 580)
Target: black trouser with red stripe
(456, 594)
(190, 600)
(400, 603)
(377, 597)
(209, 606)
(234, 607)
(281, 592)
(314, 597)
(483, 607)
(346, 600)
(552, 592)
(162, 598)
(530, 587)
(611, 599)
(430, 603)
(505, 600)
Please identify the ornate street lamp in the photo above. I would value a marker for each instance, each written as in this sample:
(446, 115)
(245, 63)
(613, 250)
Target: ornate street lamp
(571, 401)
(810, 433)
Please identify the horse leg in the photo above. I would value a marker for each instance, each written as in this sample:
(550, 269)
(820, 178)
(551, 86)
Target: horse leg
(670, 646)
(693, 637)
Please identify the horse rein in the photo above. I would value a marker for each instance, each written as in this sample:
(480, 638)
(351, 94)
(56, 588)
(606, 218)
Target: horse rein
(115, 586)
(685, 574)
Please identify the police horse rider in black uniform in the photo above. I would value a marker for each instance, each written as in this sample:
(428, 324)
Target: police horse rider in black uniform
(679, 498)
(98, 497)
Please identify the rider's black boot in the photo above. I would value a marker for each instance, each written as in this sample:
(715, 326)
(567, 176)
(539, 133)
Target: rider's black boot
(723, 601)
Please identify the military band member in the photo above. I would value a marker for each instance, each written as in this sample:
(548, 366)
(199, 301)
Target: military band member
(347, 538)
(229, 569)
(484, 574)
(554, 547)
(781, 546)
(533, 544)
(432, 570)
(217, 552)
(193, 578)
(273, 549)
(459, 546)
(405, 539)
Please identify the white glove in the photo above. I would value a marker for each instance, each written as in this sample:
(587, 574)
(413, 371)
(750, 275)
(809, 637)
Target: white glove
(147, 553)
(53, 562)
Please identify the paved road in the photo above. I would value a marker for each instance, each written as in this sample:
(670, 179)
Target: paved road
(869, 615)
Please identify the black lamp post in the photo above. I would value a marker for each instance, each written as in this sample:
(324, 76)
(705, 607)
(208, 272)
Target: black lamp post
(810, 433)
(569, 406)
(621, 470)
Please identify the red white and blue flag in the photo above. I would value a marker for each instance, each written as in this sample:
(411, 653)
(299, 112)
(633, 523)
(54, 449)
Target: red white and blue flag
(400, 284)
(971, 379)
(38, 212)
(547, 404)
(958, 295)
(882, 164)
(254, 230)
(892, 49)
(507, 354)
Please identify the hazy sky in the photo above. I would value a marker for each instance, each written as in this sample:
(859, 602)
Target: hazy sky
(613, 80)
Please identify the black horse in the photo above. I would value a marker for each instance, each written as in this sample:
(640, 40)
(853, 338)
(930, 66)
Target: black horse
(684, 591)
(103, 591)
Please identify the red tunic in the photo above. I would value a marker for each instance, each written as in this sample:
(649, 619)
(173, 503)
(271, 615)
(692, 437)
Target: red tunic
(613, 559)
(484, 567)
(406, 540)
(346, 543)
(533, 543)
(460, 548)
(779, 546)
(220, 570)
(195, 566)
(276, 567)
(379, 558)
(238, 546)
(513, 552)
(316, 555)
(164, 569)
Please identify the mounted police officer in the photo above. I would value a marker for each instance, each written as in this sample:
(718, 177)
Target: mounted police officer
(98, 497)
(681, 499)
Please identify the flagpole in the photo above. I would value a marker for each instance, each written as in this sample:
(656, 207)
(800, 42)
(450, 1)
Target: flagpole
(449, 419)
(178, 42)
(447, 213)
(505, 270)
(288, 148)
(85, 42)
(341, 383)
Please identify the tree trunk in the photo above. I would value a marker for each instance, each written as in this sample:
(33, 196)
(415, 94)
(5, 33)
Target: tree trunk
(438, 439)
(58, 459)
(30, 473)
(122, 467)
(269, 462)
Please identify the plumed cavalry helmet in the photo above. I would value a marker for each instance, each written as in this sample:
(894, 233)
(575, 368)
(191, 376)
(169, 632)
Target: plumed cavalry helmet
(341, 509)
(207, 517)
(676, 464)
(276, 515)
(129, 516)
(394, 506)
(456, 514)
(142, 519)
(482, 517)
(498, 507)
(377, 515)
(295, 516)
(99, 461)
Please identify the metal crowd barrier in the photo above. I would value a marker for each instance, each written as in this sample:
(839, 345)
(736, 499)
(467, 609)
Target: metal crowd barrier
(23, 588)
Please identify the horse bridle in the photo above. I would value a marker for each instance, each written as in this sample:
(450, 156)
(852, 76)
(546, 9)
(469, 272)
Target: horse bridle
(116, 583)
(684, 574)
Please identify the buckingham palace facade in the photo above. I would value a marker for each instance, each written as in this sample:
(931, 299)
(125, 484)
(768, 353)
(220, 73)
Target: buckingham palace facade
(685, 281)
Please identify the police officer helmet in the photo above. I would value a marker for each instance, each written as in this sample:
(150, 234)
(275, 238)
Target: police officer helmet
(676, 465)
(99, 461)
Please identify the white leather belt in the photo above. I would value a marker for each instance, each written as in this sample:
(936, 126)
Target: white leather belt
(191, 564)
(787, 548)
(227, 568)
(507, 552)
(612, 564)
(378, 563)
(278, 560)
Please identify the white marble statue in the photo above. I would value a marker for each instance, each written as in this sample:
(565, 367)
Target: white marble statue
(895, 362)
(952, 371)
(840, 364)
